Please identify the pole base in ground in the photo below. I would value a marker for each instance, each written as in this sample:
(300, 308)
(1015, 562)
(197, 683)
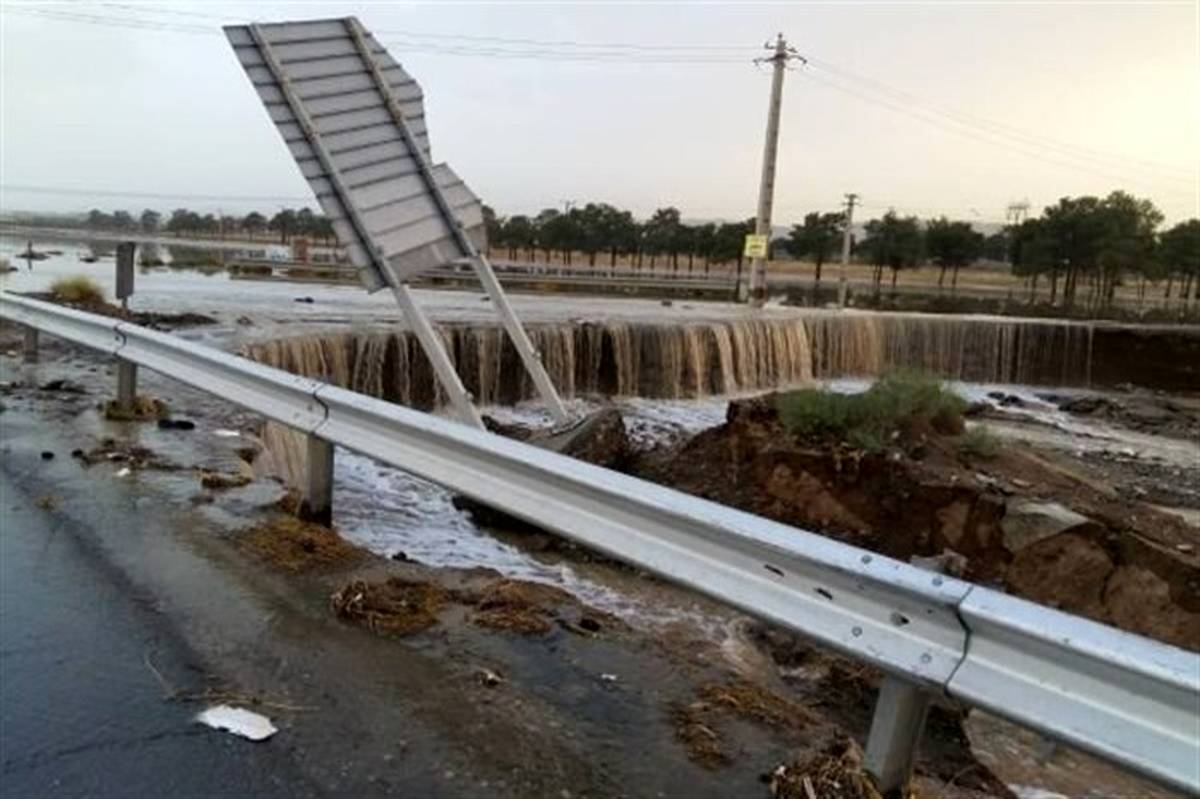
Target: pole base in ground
(30, 345)
(316, 501)
(895, 733)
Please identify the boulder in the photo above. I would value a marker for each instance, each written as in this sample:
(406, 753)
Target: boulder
(1027, 522)
(1065, 571)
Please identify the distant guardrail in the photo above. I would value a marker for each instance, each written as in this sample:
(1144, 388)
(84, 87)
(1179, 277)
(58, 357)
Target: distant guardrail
(1128, 699)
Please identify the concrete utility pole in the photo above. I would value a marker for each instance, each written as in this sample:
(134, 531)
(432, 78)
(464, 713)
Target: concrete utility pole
(851, 198)
(766, 187)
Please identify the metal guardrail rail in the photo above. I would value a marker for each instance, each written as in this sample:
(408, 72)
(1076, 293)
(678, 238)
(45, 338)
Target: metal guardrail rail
(1128, 699)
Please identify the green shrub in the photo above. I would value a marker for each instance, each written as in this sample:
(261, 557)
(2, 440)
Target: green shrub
(979, 442)
(898, 401)
(80, 289)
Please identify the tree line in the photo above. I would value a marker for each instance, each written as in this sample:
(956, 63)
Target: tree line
(1084, 247)
(600, 232)
(287, 224)
(1092, 244)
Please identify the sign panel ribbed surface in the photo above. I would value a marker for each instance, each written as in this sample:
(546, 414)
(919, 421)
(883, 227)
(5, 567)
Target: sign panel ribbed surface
(324, 97)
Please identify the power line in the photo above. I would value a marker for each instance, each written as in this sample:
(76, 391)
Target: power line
(967, 131)
(994, 126)
(987, 131)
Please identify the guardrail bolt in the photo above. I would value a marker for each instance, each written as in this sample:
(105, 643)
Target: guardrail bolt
(30, 348)
(895, 733)
(316, 504)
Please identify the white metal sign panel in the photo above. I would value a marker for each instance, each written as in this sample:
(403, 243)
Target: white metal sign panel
(321, 86)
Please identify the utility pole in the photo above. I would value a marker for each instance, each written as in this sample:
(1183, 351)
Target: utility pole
(851, 198)
(766, 186)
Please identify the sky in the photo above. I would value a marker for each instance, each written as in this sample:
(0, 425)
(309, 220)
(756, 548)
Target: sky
(935, 108)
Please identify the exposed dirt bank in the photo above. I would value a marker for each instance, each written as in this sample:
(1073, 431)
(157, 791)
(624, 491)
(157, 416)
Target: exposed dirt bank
(1012, 518)
(151, 319)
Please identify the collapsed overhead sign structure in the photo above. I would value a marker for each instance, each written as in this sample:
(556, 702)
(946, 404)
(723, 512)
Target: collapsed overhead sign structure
(342, 120)
(354, 121)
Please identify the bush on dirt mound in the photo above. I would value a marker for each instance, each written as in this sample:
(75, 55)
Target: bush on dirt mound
(899, 403)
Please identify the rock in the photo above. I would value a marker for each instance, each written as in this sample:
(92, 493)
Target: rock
(1026, 522)
(953, 521)
(47, 455)
(1006, 400)
(1066, 571)
(1139, 600)
(176, 424)
(65, 386)
(401, 556)
(949, 562)
(488, 678)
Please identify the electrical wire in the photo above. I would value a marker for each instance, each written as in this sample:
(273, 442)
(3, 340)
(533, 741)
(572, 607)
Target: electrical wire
(990, 125)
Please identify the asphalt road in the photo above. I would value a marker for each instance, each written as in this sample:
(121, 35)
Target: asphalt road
(81, 711)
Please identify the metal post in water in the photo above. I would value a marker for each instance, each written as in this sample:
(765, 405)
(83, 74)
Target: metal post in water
(30, 345)
(316, 504)
(126, 385)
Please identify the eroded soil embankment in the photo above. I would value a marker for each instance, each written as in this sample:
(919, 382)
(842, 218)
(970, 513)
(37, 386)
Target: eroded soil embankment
(1011, 518)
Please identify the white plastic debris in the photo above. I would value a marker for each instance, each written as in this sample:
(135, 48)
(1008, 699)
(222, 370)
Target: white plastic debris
(226, 433)
(123, 471)
(238, 721)
(608, 677)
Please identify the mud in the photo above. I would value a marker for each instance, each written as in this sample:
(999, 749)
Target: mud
(143, 409)
(297, 546)
(403, 606)
(1130, 565)
(1136, 409)
(125, 453)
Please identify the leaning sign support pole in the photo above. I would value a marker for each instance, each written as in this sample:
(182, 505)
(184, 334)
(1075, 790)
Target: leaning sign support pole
(483, 268)
(455, 391)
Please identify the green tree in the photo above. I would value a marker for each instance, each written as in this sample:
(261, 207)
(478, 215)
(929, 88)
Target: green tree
(150, 221)
(893, 242)
(254, 223)
(517, 233)
(952, 245)
(284, 223)
(1179, 252)
(816, 238)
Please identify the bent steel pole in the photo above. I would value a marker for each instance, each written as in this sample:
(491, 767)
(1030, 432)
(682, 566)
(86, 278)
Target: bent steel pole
(483, 268)
(428, 338)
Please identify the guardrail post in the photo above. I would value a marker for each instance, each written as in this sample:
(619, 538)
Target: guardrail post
(30, 347)
(895, 733)
(126, 385)
(317, 502)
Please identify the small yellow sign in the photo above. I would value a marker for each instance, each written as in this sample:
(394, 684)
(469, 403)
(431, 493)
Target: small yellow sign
(756, 246)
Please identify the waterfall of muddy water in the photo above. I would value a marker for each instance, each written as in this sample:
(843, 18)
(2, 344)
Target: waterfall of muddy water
(693, 359)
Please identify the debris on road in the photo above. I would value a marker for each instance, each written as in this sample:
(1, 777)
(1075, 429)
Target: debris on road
(298, 546)
(238, 721)
(488, 678)
(220, 480)
(836, 773)
(144, 409)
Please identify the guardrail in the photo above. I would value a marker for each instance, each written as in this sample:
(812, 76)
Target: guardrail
(1128, 699)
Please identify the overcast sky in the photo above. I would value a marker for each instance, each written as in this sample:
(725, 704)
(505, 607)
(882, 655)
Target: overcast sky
(931, 108)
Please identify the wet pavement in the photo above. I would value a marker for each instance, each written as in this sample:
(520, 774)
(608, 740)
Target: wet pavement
(82, 711)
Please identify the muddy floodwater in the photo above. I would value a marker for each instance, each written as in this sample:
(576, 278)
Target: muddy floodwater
(576, 716)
